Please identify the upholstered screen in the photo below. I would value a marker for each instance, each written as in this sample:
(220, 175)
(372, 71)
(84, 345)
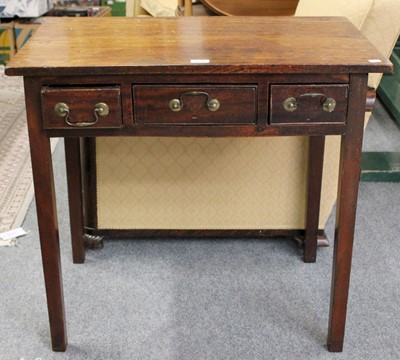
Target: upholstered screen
(234, 183)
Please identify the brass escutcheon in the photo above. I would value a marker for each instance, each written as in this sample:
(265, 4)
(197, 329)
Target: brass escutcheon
(61, 109)
(175, 105)
(329, 104)
(102, 109)
(290, 104)
(213, 105)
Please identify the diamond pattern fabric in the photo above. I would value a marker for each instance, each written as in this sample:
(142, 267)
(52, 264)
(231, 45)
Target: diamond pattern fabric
(200, 183)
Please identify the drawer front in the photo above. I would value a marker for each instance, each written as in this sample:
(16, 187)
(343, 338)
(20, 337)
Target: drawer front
(72, 108)
(305, 104)
(195, 105)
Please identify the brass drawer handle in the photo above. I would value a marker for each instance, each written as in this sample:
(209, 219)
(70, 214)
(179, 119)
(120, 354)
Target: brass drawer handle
(100, 108)
(177, 104)
(328, 104)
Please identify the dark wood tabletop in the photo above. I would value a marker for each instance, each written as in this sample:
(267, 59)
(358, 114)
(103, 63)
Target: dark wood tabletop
(254, 45)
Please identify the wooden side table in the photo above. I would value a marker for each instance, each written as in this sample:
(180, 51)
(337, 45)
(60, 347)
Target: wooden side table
(183, 77)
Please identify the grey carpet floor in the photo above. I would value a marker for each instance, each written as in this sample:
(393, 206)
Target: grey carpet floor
(208, 299)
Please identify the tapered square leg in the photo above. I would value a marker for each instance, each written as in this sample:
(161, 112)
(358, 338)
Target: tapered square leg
(42, 169)
(349, 176)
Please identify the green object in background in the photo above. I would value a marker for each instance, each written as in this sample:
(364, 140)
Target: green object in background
(385, 166)
(7, 44)
(380, 166)
(389, 88)
(118, 7)
(4, 58)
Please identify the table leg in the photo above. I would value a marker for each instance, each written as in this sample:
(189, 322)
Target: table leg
(316, 149)
(74, 180)
(349, 175)
(42, 169)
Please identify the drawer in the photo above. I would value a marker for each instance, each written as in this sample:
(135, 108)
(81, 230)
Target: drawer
(305, 104)
(195, 105)
(91, 107)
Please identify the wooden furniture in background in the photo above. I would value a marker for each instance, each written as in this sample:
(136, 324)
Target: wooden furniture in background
(243, 8)
(174, 68)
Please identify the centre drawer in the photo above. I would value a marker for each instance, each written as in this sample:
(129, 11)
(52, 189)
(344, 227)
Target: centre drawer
(195, 105)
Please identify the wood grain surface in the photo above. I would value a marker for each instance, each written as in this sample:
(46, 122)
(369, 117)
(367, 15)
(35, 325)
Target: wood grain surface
(169, 45)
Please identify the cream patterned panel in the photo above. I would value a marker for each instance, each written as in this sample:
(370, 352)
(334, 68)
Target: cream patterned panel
(187, 183)
(192, 183)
